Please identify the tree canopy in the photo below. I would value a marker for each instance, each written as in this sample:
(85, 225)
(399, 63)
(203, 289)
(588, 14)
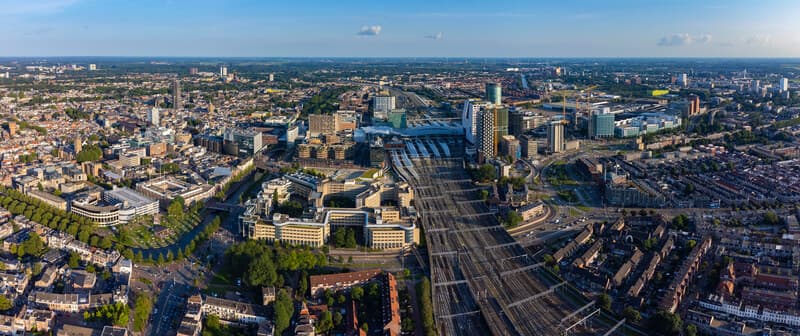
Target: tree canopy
(90, 153)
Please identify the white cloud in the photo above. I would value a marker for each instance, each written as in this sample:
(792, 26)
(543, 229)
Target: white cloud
(437, 36)
(758, 40)
(370, 31)
(675, 40)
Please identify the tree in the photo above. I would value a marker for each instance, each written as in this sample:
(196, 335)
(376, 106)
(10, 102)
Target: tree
(337, 318)
(679, 222)
(512, 218)
(141, 311)
(261, 272)
(292, 208)
(604, 301)
(5, 303)
(691, 330)
(339, 237)
(325, 323)
(105, 243)
(631, 314)
(90, 152)
(283, 311)
(302, 286)
(175, 208)
(485, 173)
(664, 323)
(357, 293)
(770, 218)
(350, 239)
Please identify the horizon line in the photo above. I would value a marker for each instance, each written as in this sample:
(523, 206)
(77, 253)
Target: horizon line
(407, 57)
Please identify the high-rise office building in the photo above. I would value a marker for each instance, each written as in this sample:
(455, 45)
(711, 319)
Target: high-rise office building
(555, 137)
(521, 121)
(500, 124)
(509, 145)
(684, 80)
(223, 71)
(493, 93)
(382, 105)
(529, 146)
(784, 84)
(601, 124)
(693, 105)
(92, 67)
(193, 71)
(271, 77)
(486, 141)
(469, 119)
(242, 142)
(755, 85)
(152, 116)
(176, 94)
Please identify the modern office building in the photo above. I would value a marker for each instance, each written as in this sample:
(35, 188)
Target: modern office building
(242, 142)
(555, 137)
(493, 93)
(223, 71)
(755, 85)
(784, 84)
(529, 146)
(486, 140)
(176, 95)
(684, 80)
(102, 215)
(382, 105)
(319, 124)
(397, 118)
(469, 118)
(166, 188)
(509, 145)
(500, 123)
(153, 117)
(131, 203)
(601, 124)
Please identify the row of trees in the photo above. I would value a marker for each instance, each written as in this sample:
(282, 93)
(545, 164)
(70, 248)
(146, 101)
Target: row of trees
(426, 306)
(79, 227)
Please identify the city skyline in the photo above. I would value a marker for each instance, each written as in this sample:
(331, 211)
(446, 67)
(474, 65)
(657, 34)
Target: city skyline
(409, 29)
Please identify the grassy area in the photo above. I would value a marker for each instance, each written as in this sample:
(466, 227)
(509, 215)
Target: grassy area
(559, 176)
(574, 213)
(568, 195)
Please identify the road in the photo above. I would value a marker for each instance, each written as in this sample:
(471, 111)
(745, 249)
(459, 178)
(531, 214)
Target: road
(175, 281)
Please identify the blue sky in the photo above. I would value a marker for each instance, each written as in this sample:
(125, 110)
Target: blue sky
(610, 28)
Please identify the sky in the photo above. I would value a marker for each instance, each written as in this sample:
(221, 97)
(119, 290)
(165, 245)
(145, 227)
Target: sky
(401, 28)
